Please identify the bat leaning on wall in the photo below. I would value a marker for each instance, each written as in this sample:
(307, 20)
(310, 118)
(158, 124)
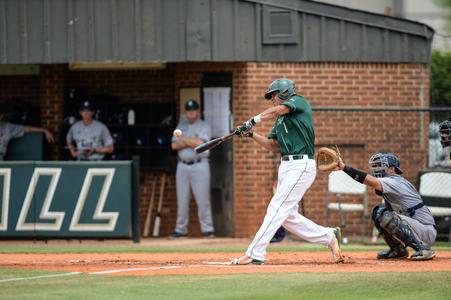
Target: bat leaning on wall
(156, 226)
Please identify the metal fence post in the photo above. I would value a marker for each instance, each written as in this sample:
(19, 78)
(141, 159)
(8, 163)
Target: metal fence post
(136, 219)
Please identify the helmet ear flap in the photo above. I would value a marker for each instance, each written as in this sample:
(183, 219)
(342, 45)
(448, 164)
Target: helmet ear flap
(284, 87)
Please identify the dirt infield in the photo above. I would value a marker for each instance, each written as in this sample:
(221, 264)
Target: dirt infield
(145, 264)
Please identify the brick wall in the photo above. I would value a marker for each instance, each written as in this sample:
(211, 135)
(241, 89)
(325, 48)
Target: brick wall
(359, 134)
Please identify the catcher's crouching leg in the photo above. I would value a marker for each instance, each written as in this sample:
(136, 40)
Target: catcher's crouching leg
(403, 232)
(397, 250)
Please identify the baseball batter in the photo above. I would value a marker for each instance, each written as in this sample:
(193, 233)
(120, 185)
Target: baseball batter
(293, 136)
(403, 220)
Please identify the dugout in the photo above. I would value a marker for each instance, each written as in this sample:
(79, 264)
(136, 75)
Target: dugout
(146, 54)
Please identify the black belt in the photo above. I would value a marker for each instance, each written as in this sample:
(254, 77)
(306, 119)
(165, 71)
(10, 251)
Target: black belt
(411, 210)
(190, 162)
(293, 157)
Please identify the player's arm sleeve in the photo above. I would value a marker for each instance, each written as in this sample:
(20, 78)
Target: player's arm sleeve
(294, 105)
(174, 138)
(272, 135)
(16, 131)
(205, 133)
(106, 136)
(389, 185)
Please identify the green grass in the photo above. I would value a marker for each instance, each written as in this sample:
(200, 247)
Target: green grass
(433, 285)
(187, 249)
(421, 285)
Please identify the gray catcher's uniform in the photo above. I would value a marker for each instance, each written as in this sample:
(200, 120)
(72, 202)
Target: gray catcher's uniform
(402, 198)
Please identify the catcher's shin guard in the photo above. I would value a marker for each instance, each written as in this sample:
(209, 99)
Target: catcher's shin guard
(377, 212)
(401, 231)
(376, 215)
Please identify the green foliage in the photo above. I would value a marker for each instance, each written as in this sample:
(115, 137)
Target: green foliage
(447, 5)
(441, 78)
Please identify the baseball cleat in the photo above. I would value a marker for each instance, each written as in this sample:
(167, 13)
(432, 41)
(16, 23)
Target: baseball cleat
(392, 253)
(246, 260)
(423, 255)
(177, 235)
(209, 235)
(334, 246)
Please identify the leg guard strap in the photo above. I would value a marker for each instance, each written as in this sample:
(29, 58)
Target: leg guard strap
(400, 230)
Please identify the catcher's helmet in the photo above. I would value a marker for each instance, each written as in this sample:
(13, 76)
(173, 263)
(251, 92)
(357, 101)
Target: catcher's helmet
(379, 163)
(445, 133)
(285, 87)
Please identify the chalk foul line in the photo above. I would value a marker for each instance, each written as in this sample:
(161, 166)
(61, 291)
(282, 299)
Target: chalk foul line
(38, 277)
(133, 269)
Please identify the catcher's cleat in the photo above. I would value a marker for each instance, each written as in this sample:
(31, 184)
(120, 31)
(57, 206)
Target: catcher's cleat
(393, 253)
(334, 246)
(423, 255)
(246, 260)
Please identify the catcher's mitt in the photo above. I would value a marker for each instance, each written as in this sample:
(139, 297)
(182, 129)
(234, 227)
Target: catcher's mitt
(327, 159)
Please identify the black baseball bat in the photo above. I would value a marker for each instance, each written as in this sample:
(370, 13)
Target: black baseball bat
(213, 143)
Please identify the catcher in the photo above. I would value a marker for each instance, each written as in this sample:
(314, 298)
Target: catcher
(403, 220)
(445, 134)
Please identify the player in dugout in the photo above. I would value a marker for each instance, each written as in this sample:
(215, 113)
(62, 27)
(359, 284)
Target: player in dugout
(9, 131)
(91, 137)
(403, 220)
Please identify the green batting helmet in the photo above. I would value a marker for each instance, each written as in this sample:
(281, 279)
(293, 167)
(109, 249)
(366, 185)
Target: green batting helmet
(285, 88)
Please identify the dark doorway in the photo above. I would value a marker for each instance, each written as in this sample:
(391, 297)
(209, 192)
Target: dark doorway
(217, 111)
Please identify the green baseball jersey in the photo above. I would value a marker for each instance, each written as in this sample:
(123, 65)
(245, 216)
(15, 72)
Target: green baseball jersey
(294, 131)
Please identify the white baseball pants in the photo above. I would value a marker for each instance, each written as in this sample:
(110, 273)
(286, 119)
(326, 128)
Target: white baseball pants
(294, 179)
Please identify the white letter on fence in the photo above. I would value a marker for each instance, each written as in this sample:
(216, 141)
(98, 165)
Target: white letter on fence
(6, 173)
(99, 214)
(45, 213)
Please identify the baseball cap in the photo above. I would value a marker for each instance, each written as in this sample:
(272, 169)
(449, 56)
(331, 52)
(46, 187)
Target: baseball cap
(87, 106)
(191, 105)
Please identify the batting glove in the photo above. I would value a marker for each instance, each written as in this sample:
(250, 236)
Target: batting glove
(244, 131)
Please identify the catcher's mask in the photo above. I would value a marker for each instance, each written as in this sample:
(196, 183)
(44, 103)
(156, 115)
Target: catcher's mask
(445, 133)
(380, 162)
(284, 87)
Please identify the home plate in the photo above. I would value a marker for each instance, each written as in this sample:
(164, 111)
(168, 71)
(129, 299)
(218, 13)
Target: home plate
(215, 263)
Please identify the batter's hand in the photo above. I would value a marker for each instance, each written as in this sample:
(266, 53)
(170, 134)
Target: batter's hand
(249, 123)
(246, 126)
(243, 130)
(248, 133)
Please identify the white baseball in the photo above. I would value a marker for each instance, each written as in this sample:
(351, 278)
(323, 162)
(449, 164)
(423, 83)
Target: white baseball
(177, 133)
